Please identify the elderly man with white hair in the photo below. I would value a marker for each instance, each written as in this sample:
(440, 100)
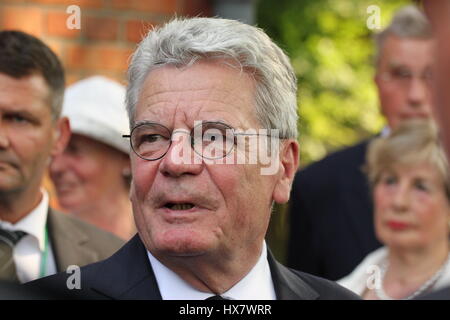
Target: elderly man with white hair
(224, 91)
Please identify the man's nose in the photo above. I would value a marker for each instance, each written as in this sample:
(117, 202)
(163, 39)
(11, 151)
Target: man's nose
(419, 93)
(181, 159)
(4, 138)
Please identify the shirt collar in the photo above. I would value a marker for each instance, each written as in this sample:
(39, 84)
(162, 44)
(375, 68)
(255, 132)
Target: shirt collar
(34, 222)
(385, 132)
(256, 285)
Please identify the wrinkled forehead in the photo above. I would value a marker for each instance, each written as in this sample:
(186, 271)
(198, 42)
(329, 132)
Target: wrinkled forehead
(204, 91)
(29, 94)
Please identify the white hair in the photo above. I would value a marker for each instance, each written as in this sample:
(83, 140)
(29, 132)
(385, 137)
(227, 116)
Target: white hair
(182, 42)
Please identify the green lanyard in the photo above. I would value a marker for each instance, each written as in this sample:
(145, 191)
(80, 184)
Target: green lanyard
(44, 255)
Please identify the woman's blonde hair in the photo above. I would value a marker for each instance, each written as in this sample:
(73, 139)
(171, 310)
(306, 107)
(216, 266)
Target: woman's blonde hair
(413, 142)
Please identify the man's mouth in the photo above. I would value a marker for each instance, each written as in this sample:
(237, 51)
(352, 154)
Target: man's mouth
(62, 186)
(179, 206)
(4, 164)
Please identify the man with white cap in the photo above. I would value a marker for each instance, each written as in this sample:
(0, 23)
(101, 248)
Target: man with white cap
(92, 175)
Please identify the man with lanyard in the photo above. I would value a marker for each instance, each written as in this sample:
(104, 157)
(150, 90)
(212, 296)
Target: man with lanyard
(36, 241)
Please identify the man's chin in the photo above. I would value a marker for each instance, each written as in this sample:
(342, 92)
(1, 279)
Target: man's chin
(185, 254)
(185, 250)
(8, 186)
(183, 247)
(69, 203)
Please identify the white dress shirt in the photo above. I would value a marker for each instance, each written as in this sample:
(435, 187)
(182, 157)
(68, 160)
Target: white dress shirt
(30, 250)
(256, 285)
(385, 132)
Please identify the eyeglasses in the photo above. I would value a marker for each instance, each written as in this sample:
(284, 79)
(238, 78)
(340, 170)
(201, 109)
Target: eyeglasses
(209, 139)
(403, 76)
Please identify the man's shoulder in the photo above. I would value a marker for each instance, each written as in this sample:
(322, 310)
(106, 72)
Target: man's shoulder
(74, 283)
(327, 290)
(67, 285)
(97, 236)
(291, 284)
(75, 242)
(124, 275)
(333, 169)
(349, 155)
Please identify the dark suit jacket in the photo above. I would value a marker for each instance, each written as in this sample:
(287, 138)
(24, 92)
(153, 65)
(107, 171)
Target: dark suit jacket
(331, 215)
(75, 242)
(442, 294)
(129, 275)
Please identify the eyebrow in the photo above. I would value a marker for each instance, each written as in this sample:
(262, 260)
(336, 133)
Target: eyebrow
(141, 122)
(219, 121)
(23, 113)
(397, 65)
(138, 123)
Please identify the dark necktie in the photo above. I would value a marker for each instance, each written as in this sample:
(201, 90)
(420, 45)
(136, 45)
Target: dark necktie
(216, 297)
(8, 239)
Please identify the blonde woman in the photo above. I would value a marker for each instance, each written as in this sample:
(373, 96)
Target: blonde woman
(409, 176)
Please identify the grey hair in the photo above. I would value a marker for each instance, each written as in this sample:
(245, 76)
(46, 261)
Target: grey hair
(182, 42)
(408, 22)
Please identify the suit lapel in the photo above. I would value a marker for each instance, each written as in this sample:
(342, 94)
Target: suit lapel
(288, 285)
(68, 242)
(127, 274)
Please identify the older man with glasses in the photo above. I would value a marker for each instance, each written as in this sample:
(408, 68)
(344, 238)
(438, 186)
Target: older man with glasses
(200, 84)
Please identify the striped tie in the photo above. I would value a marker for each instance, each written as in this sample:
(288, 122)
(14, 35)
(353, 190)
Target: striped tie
(8, 240)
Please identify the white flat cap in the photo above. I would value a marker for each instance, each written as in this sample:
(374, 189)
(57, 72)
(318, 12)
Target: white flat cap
(96, 109)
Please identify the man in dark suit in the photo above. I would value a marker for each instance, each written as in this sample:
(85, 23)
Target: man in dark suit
(331, 227)
(212, 105)
(34, 239)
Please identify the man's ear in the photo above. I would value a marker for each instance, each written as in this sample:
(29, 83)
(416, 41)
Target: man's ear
(377, 79)
(289, 159)
(61, 136)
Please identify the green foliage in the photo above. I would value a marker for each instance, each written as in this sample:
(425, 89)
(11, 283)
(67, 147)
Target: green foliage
(331, 49)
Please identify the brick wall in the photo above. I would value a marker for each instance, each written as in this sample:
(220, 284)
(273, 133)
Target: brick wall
(108, 35)
(109, 29)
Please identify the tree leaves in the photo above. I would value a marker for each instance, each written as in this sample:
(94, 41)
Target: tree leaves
(331, 49)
